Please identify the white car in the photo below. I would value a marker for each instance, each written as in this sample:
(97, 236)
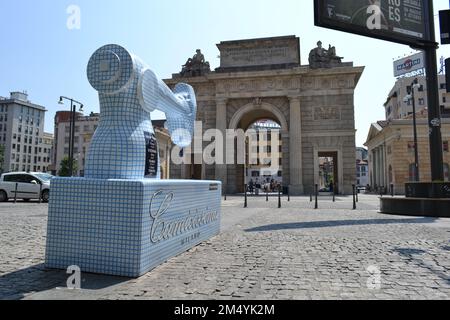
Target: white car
(29, 186)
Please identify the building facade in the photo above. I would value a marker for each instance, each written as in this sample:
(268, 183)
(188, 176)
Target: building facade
(391, 141)
(391, 152)
(264, 79)
(27, 146)
(396, 107)
(85, 127)
(362, 167)
(259, 154)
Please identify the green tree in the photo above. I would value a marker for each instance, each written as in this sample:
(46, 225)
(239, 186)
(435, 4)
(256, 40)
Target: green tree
(2, 157)
(65, 170)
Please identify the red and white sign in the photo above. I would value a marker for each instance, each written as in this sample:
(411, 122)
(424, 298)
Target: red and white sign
(409, 64)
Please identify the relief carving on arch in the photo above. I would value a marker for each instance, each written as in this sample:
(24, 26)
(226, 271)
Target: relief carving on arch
(258, 85)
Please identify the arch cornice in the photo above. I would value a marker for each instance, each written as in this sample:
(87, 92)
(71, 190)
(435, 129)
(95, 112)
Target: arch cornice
(237, 117)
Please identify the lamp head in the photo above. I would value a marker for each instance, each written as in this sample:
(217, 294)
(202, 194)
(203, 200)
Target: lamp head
(61, 101)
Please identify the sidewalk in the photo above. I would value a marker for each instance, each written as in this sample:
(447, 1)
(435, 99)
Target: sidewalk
(262, 253)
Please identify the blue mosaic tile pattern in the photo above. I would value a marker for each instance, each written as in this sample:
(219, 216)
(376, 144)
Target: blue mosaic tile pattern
(128, 92)
(116, 220)
(105, 226)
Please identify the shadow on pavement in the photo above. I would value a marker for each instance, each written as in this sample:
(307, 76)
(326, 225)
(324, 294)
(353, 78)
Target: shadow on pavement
(35, 279)
(413, 255)
(338, 223)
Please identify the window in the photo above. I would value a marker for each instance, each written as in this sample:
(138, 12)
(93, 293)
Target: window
(411, 148)
(13, 178)
(445, 146)
(421, 101)
(446, 172)
(255, 173)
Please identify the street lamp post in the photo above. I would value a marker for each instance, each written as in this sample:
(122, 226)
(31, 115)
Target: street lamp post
(73, 111)
(409, 97)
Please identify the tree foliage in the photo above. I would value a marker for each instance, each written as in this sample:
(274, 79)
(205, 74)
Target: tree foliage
(65, 167)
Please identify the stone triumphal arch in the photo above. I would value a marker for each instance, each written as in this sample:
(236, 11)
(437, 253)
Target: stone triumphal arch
(264, 79)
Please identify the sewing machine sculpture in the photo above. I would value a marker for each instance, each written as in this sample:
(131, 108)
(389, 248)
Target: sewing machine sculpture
(120, 219)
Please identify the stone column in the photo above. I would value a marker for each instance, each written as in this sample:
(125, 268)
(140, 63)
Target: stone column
(374, 168)
(221, 124)
(295, 148)
(378, 167)
(383, 165)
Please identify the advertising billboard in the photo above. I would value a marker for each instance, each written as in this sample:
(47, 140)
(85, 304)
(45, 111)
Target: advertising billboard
(400, 21)
(409, 64)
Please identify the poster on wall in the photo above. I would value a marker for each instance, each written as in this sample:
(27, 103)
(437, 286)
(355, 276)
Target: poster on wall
(400, 21)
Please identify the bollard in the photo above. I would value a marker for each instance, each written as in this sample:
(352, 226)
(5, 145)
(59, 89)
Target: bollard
(392, 190)
(245, 203)
(310, 197)
(357, 195)
(15, 193)
(354, 197)
(381, 192)
(289, 196)
(316, 191)
(225, 196)
(279, 197)
(40, 194)
(334, 192)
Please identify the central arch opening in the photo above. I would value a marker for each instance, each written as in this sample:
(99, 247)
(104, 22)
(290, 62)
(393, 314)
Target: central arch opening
(261, 174)
(252, 119)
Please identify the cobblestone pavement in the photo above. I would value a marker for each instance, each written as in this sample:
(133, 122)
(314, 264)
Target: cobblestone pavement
(262, 253)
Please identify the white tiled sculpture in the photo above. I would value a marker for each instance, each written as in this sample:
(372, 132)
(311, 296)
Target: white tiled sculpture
(121, 219)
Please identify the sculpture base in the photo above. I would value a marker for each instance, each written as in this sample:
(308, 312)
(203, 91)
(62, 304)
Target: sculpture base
(127, 228)
(417, 207)
(428, 190)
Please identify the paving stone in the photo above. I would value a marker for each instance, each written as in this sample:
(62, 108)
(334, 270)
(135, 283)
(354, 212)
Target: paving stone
(291, 253)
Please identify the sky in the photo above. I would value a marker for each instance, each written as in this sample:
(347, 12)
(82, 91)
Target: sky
(41, 55)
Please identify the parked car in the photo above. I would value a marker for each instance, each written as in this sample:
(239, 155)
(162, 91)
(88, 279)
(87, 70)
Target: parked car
(29, 186)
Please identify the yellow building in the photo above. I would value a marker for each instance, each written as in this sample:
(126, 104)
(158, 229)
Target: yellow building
(391, 152)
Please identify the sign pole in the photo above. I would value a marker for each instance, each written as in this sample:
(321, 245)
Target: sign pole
(434, 112)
